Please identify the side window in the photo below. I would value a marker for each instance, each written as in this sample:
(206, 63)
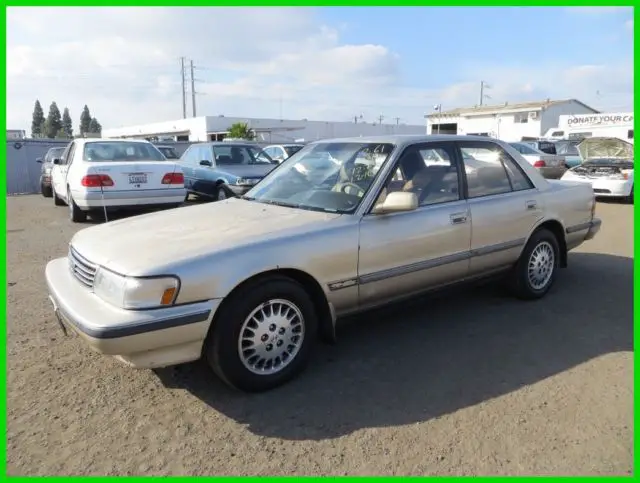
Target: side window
(630, 134)
(70, 153)
(486, 173)
(429, 172)
(518, 178)
(205, 153)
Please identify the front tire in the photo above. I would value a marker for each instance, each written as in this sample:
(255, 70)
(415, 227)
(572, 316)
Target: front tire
(76, 215)
(221, 193)
(263, 336)
(46, 191)
(536, 269)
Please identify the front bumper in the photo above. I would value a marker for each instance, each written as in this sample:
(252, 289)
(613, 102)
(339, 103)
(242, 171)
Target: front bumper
(140, 338)
(239, 190)
(617, 188)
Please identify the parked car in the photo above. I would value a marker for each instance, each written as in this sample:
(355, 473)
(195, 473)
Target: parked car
(569, 149)
(550, 166)
(219, 170)
(169, 152)
(250, 283)
(280, 152)
(45, 170)
(607, 166)
(96, 175)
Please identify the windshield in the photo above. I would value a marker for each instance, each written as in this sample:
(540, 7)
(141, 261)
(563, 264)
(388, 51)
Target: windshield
(525, 149)
(233, 154)
(328, 176)
(52, 154)
(567, 149)
(291, 150)
(168, 152)
(121, 151)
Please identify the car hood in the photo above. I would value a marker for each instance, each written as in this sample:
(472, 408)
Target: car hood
(247, 170)
(146, 244)
(601, 147)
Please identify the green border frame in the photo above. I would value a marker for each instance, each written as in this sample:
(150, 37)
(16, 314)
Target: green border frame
(301, 3)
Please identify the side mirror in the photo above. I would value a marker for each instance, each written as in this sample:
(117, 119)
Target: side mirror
(396, 202)
(39, 160)
(206, 162)
(57, 161)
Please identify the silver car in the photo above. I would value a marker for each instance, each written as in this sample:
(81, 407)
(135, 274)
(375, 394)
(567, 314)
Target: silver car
(251, 283)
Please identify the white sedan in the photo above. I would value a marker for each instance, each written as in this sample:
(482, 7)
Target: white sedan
(607, 166)
(105, 175)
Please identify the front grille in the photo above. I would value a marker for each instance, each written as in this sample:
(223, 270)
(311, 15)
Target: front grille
(82, 269)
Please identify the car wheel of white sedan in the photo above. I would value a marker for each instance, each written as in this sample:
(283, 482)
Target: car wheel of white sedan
(76, 215)
(263, 334)
(536, 270)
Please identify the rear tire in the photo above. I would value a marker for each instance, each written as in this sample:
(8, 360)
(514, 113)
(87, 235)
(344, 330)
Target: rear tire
(46, 191)
(536, 270)
(76, 215)
(267, 323)
(56, 201)
(629, 199)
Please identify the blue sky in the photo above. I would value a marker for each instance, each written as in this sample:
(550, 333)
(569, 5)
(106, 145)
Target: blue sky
(508, 35)
(317, 63)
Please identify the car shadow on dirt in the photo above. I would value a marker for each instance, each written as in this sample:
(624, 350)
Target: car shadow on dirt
(419, 361)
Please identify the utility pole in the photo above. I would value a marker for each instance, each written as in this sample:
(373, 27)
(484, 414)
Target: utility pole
(483, 96)
(193, 91)
(380, 118)
(184, 89)
(397, 120)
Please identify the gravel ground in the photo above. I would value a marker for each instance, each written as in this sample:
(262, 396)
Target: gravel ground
(465, 384)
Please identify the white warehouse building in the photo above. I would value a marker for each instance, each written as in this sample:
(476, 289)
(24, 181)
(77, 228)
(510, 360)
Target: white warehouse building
(215, 128)
(508, 122)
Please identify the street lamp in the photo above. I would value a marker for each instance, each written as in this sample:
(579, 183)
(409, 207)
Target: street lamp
(438, 109)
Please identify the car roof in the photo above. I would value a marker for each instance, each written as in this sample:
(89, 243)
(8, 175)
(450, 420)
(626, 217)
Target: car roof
(110, 140)
(406, 139)
(227, 143)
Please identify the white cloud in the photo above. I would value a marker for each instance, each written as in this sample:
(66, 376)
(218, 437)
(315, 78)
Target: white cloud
(124, 63)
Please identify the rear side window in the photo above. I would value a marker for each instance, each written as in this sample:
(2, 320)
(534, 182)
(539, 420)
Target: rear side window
(491, 171)
(630, 134)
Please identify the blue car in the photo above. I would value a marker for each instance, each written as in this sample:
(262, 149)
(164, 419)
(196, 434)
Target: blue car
(219, 170)
(569, 149)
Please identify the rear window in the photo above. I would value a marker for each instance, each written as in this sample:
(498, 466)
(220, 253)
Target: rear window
(168, 152)
(567, 149)
(548, 148)
(121, 151)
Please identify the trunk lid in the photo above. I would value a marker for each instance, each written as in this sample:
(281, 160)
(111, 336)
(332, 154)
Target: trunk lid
(136, 175)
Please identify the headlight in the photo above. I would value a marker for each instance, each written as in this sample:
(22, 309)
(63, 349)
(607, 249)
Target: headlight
(619, 176)
(246, 182)
(134, 292)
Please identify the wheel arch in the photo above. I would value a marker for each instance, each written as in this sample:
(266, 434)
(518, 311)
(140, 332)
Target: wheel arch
(557, 228)
(326, 318)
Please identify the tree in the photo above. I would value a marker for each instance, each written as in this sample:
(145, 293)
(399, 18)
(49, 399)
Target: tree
(241, 130)
(37, 122)
(54, 121)
(85, 120)
(94, 126)
(67, 123)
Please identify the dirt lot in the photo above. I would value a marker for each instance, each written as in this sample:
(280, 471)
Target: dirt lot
(471, 383)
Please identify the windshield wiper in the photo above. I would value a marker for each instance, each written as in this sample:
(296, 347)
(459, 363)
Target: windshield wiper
(247, 198)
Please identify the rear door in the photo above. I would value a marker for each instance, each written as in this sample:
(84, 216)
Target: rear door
(503, 202)
(59, 171)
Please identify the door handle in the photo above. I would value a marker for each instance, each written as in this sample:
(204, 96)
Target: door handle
(532, 205)
(457, 218)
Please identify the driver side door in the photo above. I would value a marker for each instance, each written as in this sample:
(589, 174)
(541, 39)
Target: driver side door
(59, 172)
(405, 253)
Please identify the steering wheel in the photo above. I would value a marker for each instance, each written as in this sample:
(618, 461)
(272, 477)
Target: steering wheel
(343, 188)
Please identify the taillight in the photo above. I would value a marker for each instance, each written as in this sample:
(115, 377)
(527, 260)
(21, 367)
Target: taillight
(173, 178)
(539, 164)
(96, 180)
